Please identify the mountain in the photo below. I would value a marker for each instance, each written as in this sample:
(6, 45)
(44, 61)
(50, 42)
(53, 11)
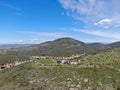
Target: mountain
(114, 45)
(60, 47)
(100, 71)
(8, 46)
(96, 71)
(99, 46)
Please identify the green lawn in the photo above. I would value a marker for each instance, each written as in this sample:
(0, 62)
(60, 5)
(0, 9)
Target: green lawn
(46, 61)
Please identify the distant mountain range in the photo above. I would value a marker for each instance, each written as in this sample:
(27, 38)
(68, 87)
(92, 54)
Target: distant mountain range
(8, 46)
(62, 47)
(114, 45)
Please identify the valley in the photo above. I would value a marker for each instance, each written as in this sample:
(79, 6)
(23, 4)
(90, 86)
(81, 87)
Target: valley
(29, 69)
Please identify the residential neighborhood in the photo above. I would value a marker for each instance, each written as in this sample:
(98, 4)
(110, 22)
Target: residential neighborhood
(72, 60)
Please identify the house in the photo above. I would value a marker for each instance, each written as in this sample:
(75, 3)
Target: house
(63, 61)
(73, 62)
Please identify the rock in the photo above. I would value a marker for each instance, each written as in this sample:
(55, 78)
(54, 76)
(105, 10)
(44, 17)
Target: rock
(69, 79)
(78, 86)
(79, 82)
(89, 88)
(85, 80)
(72, 85)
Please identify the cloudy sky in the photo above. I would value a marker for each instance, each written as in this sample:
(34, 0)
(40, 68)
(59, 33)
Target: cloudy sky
(36, 21)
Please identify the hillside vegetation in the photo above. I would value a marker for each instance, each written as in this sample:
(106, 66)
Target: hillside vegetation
(109, 57)
(10, 58)
(31, 76)
(98, 69)
(59, 47)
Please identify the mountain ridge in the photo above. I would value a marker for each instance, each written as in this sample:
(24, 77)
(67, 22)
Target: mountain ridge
(62, 47)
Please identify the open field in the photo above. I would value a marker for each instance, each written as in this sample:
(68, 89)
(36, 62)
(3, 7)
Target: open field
(45, 61)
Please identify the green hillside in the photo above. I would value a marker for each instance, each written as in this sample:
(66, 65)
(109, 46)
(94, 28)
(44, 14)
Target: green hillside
(109, 57)
(31, 76)
(97, 71)
(59, 47)
(9, 58)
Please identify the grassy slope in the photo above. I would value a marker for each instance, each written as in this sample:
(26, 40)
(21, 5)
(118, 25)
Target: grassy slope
(110, 57)
(9, 58)
(31, 76)
(59, 47)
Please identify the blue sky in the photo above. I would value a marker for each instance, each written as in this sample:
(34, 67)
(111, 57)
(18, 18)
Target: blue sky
(36, 21)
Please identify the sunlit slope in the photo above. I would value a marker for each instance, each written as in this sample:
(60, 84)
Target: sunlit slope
(59, 47)
(32, 76)
(109, 57)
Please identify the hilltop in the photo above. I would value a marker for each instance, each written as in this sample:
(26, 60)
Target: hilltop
(60, 47)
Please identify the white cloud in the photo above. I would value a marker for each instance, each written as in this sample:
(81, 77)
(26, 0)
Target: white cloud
(19, 41)
(90, 11)
(13, 42)
(107, 34)
(45, 34)
(103, 21)
(34, 40)
(38, 37)
(99, 17)
(9, 6)
(12, 7)
(52, 34)
(19, 14)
